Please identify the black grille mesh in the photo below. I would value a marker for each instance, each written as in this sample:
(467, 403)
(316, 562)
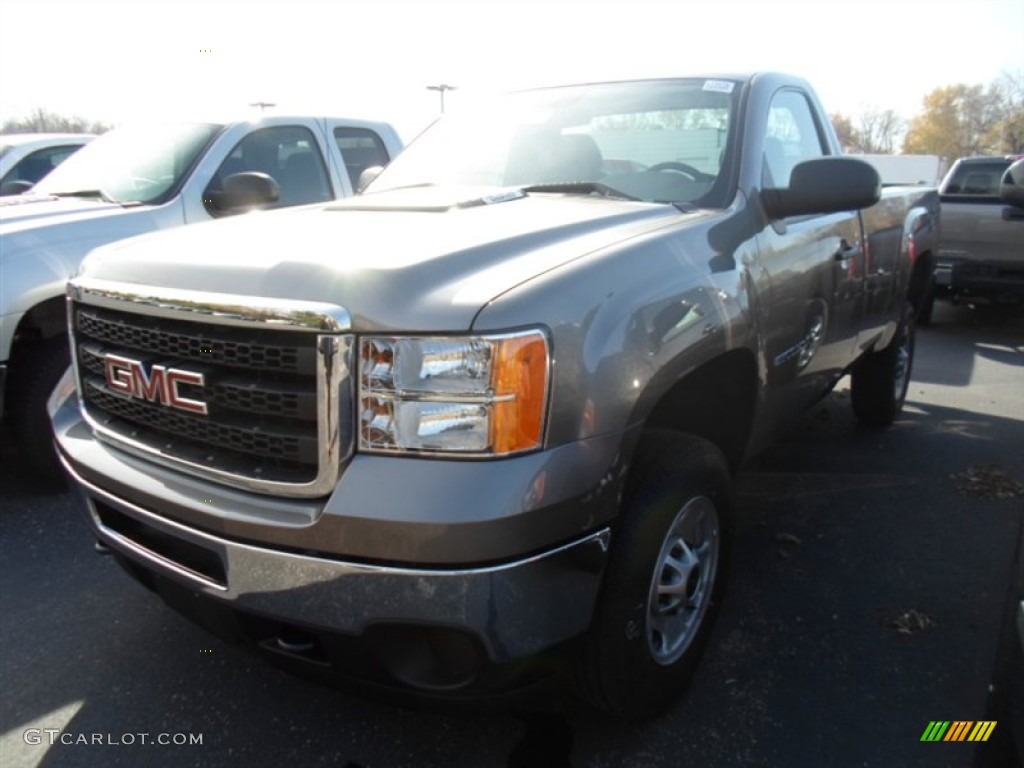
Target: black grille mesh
(178, 340)
(242, 439)
(259, 388)
(265, 395)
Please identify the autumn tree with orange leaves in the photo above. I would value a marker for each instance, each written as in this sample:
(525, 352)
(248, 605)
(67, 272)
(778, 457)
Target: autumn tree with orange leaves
(962, 120)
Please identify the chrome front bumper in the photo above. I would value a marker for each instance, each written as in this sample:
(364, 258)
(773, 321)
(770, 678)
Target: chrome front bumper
(516, 609)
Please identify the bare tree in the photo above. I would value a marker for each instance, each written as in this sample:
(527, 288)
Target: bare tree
(874, 132)
(844, 132)
(877, 131)
(41, 120)
(1008, 132)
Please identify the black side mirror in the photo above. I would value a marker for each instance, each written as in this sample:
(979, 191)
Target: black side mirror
(246, 191)
(824, 185)
(15, 187)
(367, 176)
(1011, 188)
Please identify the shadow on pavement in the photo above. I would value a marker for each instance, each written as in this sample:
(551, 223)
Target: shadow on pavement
(844, 533)
(992, 333)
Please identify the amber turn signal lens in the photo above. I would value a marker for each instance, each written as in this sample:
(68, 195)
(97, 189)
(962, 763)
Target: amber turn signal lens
(519, 379)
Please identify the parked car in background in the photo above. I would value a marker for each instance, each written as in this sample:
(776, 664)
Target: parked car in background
(25, 158)
(138, 179)
(981, 249)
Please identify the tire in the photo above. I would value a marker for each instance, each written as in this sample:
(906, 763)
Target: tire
(879, 381)
(36, 374)
(664, 580)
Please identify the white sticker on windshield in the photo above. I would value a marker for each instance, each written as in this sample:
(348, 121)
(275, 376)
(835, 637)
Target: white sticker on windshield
(502, 197)
(719, 86)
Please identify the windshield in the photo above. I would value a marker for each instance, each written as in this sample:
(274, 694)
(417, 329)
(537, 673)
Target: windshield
(137, 163)
(659, 141)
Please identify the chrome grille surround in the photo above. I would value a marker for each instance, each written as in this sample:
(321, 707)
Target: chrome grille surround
(325, 329)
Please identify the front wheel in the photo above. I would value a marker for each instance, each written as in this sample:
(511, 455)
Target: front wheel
(37, 372)
(878, 382)
(664, 579)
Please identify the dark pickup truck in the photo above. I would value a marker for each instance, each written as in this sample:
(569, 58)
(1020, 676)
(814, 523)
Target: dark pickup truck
(485, 415)
(980, 257)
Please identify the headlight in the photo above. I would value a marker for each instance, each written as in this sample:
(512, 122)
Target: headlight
(481, 395)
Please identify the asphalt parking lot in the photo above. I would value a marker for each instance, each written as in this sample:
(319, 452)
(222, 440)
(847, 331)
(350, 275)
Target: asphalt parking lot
(872, 575)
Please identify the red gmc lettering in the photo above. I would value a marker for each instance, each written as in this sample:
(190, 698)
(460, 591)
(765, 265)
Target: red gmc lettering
(160, 385)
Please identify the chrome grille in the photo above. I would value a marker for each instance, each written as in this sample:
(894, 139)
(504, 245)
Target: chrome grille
(277, 395)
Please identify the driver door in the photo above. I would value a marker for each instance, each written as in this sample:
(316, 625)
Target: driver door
(815, 269)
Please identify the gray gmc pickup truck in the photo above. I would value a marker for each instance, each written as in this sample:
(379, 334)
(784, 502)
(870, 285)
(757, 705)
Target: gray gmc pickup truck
(484, 416)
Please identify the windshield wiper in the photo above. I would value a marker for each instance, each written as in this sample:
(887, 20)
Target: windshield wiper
(585, 187)
(87, 193)
(683, 207)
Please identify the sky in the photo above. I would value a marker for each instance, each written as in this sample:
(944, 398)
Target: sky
(127, 60)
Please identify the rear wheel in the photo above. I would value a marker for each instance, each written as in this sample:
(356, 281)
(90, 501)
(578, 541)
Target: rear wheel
(664, 579)
(878, 382)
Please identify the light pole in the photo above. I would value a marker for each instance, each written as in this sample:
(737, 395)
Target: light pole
(441, 89)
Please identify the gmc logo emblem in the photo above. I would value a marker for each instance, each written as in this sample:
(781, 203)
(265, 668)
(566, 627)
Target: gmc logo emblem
(160, 385)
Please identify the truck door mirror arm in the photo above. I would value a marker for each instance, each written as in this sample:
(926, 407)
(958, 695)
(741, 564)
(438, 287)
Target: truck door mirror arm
(367, 176)
(244, 191)
(824, 185)
(1011, 188)
(15, 187)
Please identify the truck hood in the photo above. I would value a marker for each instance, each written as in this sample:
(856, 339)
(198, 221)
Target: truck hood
(44, 239)
(408, 260)
(19, 211)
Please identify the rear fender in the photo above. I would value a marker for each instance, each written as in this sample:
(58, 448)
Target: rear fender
(917, 259)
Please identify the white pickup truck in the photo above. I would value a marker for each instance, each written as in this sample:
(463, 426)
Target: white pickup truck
(26, 157)
(140, 179)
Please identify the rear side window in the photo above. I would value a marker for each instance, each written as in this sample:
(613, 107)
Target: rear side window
(360, 148)
(978, 180)
(287, 153)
